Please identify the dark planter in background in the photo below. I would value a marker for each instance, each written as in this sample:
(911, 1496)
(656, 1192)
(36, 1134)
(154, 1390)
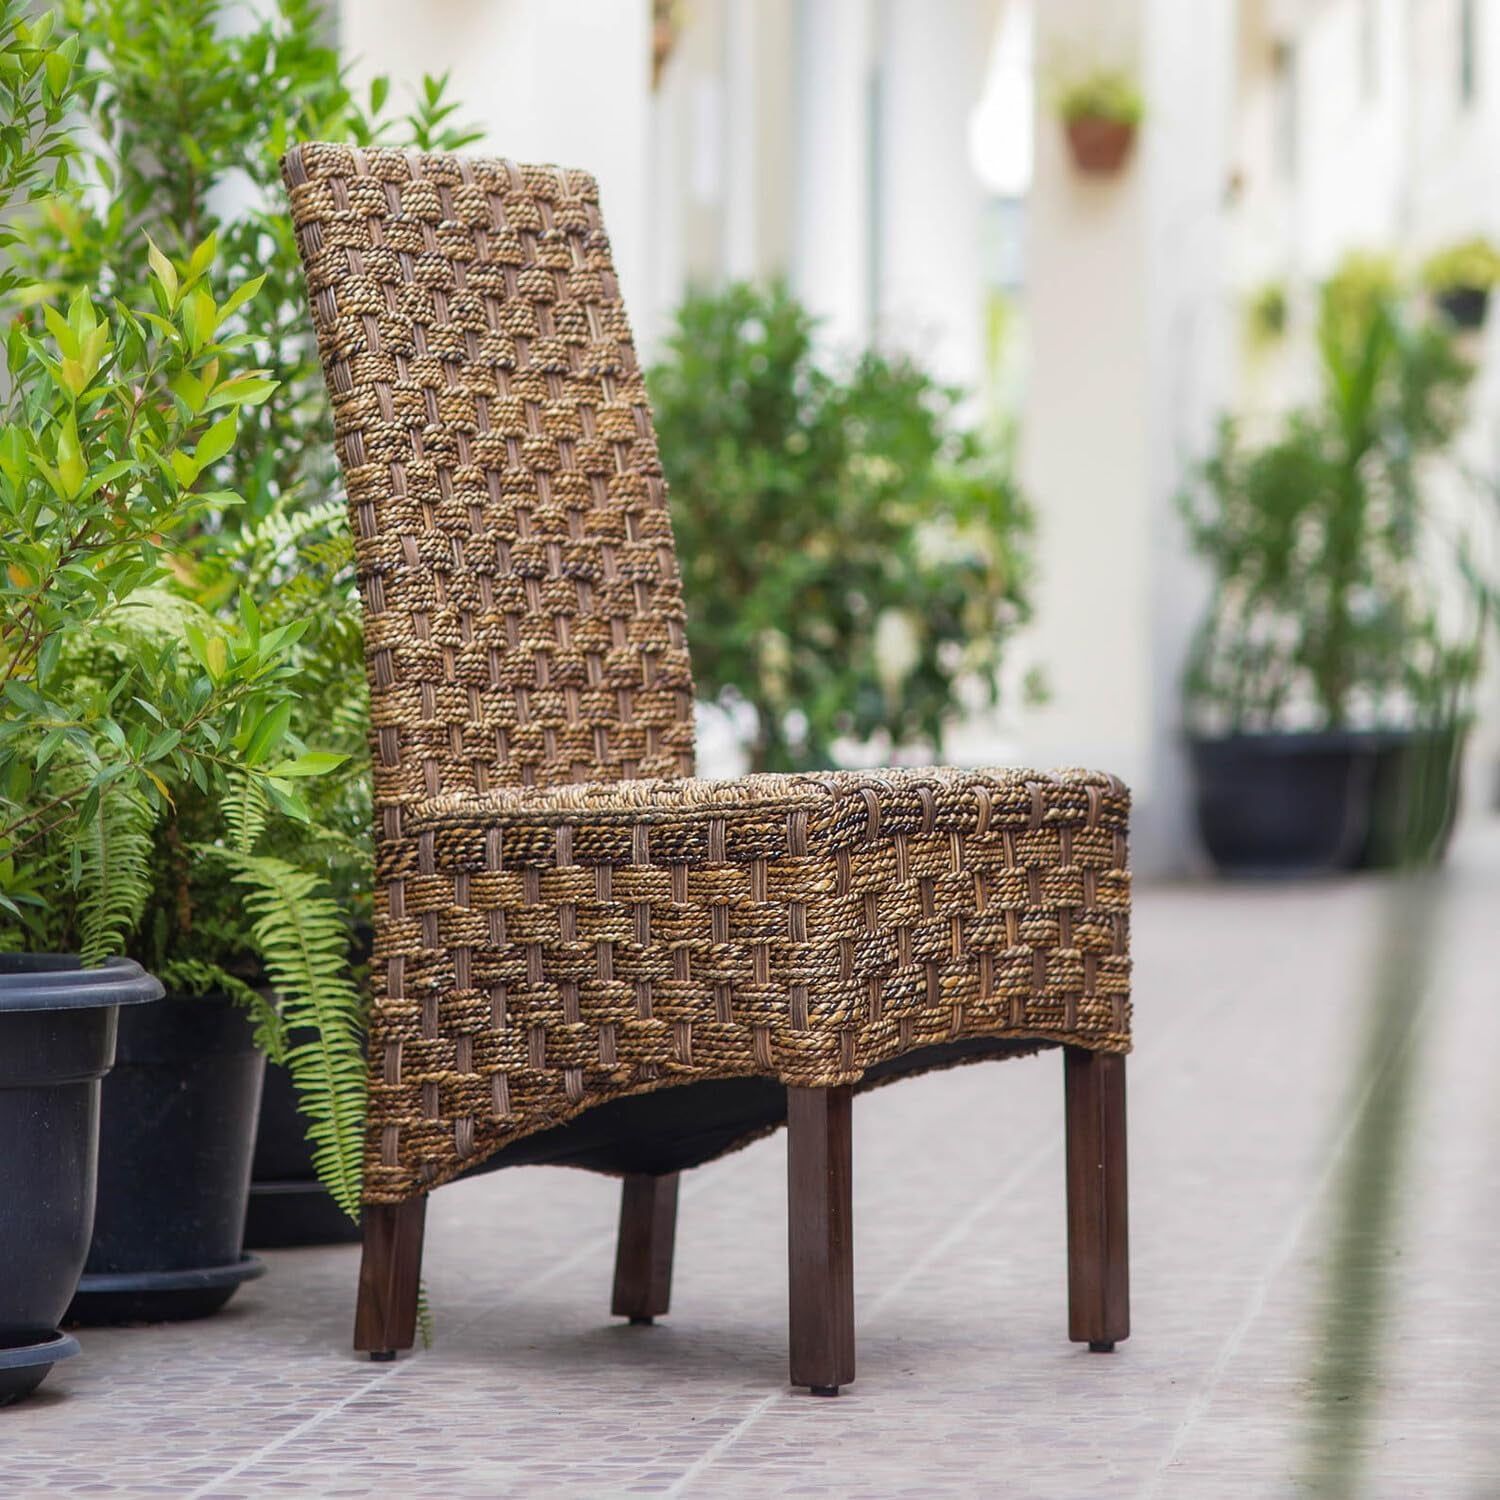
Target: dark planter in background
(57, 1040)
(1283, 804)
(1465, 307)
(288, 1205)
(1099, 146)
(1306, 804)
(177, 1132)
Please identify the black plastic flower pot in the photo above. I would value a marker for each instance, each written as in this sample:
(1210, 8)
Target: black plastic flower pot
(1281, 805)
(176, 1137)
(57, 1041)
(289, 1206)
(1414, 797)
(1465, 307)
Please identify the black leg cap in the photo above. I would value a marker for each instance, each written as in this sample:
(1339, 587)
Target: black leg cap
(1101, 1346)
(382, 1356)
(641, 1320)
(824, 1390)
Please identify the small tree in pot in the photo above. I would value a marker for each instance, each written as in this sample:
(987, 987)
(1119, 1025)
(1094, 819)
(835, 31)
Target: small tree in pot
(115, 414)
(1327, 679)
(879, 560)
(252, 895)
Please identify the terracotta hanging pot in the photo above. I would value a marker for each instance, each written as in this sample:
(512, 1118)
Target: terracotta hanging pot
(1099, 145)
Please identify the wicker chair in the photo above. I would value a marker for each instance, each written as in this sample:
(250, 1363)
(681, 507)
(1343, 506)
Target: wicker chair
(583, 955)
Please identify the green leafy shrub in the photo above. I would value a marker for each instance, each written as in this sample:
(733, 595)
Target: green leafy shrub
(1472, 264)
(116, 700)
(1101, 94)
(189, 105)
(850, 555)
(1328, 563)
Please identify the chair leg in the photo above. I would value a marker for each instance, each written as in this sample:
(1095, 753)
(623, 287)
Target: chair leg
(1098, 1244)
(390, 1275)
(643, 1253)
(820, 1238)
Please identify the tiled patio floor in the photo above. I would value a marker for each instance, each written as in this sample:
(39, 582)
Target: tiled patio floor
(1250, 1007)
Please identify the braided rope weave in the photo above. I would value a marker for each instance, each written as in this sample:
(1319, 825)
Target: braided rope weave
(563, 915)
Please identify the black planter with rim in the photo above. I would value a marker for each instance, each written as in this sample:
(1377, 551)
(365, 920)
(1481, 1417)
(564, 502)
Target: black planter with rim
(1465, 307)
(57, 1041)
(1284, 804)
(1317, 803)
(178, 1129)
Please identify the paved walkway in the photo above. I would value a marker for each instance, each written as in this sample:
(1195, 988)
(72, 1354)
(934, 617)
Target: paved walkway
(1251, 1017)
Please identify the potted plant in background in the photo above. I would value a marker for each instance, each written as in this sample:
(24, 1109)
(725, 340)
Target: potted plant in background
(884, 565)
(254, 899)
(114, 414)
(1460, 279)
(1327, 692)
(1101, 111)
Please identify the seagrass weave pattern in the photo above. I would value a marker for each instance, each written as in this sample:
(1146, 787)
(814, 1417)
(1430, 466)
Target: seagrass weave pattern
(563, 914)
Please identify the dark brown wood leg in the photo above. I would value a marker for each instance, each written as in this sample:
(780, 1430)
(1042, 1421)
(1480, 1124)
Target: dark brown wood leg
(820, 1237)
(1098, 1242)
(390, 1275)
(643, 1254)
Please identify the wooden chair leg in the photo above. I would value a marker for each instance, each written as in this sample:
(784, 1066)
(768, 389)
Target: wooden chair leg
(820, 1238)
(1098, 1244)
(390, 1276)
(643, 1253)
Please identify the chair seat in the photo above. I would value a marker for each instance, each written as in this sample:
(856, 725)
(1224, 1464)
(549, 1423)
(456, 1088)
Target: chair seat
(548, 950)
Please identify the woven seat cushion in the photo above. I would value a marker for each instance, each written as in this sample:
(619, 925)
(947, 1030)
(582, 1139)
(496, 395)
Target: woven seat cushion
(553, 948)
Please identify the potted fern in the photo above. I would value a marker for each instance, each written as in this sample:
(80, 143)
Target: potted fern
(1460, 279)
(1329, 684)
(1101, 111)
(117, 411)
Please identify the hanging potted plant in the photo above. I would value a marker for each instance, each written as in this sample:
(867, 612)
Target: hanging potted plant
(1326, 694)
(1101, 111)
(1267, 315)
(1460, 279)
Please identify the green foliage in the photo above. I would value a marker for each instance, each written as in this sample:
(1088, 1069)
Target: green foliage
(1101, 94)
(849, 555)
(1362, 284)
(1470, 264)
(1329, 565)
(303, 937)
(189, 104)
(115, 416)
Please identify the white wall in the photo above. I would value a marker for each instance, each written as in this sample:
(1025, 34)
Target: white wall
(565, 81)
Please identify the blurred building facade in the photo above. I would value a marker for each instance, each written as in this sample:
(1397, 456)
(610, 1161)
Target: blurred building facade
(900, 163)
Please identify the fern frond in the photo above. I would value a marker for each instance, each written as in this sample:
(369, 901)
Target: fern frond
(246, 808)
(197, 976)
(114, 881)
(299, 931)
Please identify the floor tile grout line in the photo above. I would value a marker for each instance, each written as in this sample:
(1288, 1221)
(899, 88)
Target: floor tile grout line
(247, 1463)
(717, 1449)
(535, 1283)
(954, 1237)
(1255, 1303)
